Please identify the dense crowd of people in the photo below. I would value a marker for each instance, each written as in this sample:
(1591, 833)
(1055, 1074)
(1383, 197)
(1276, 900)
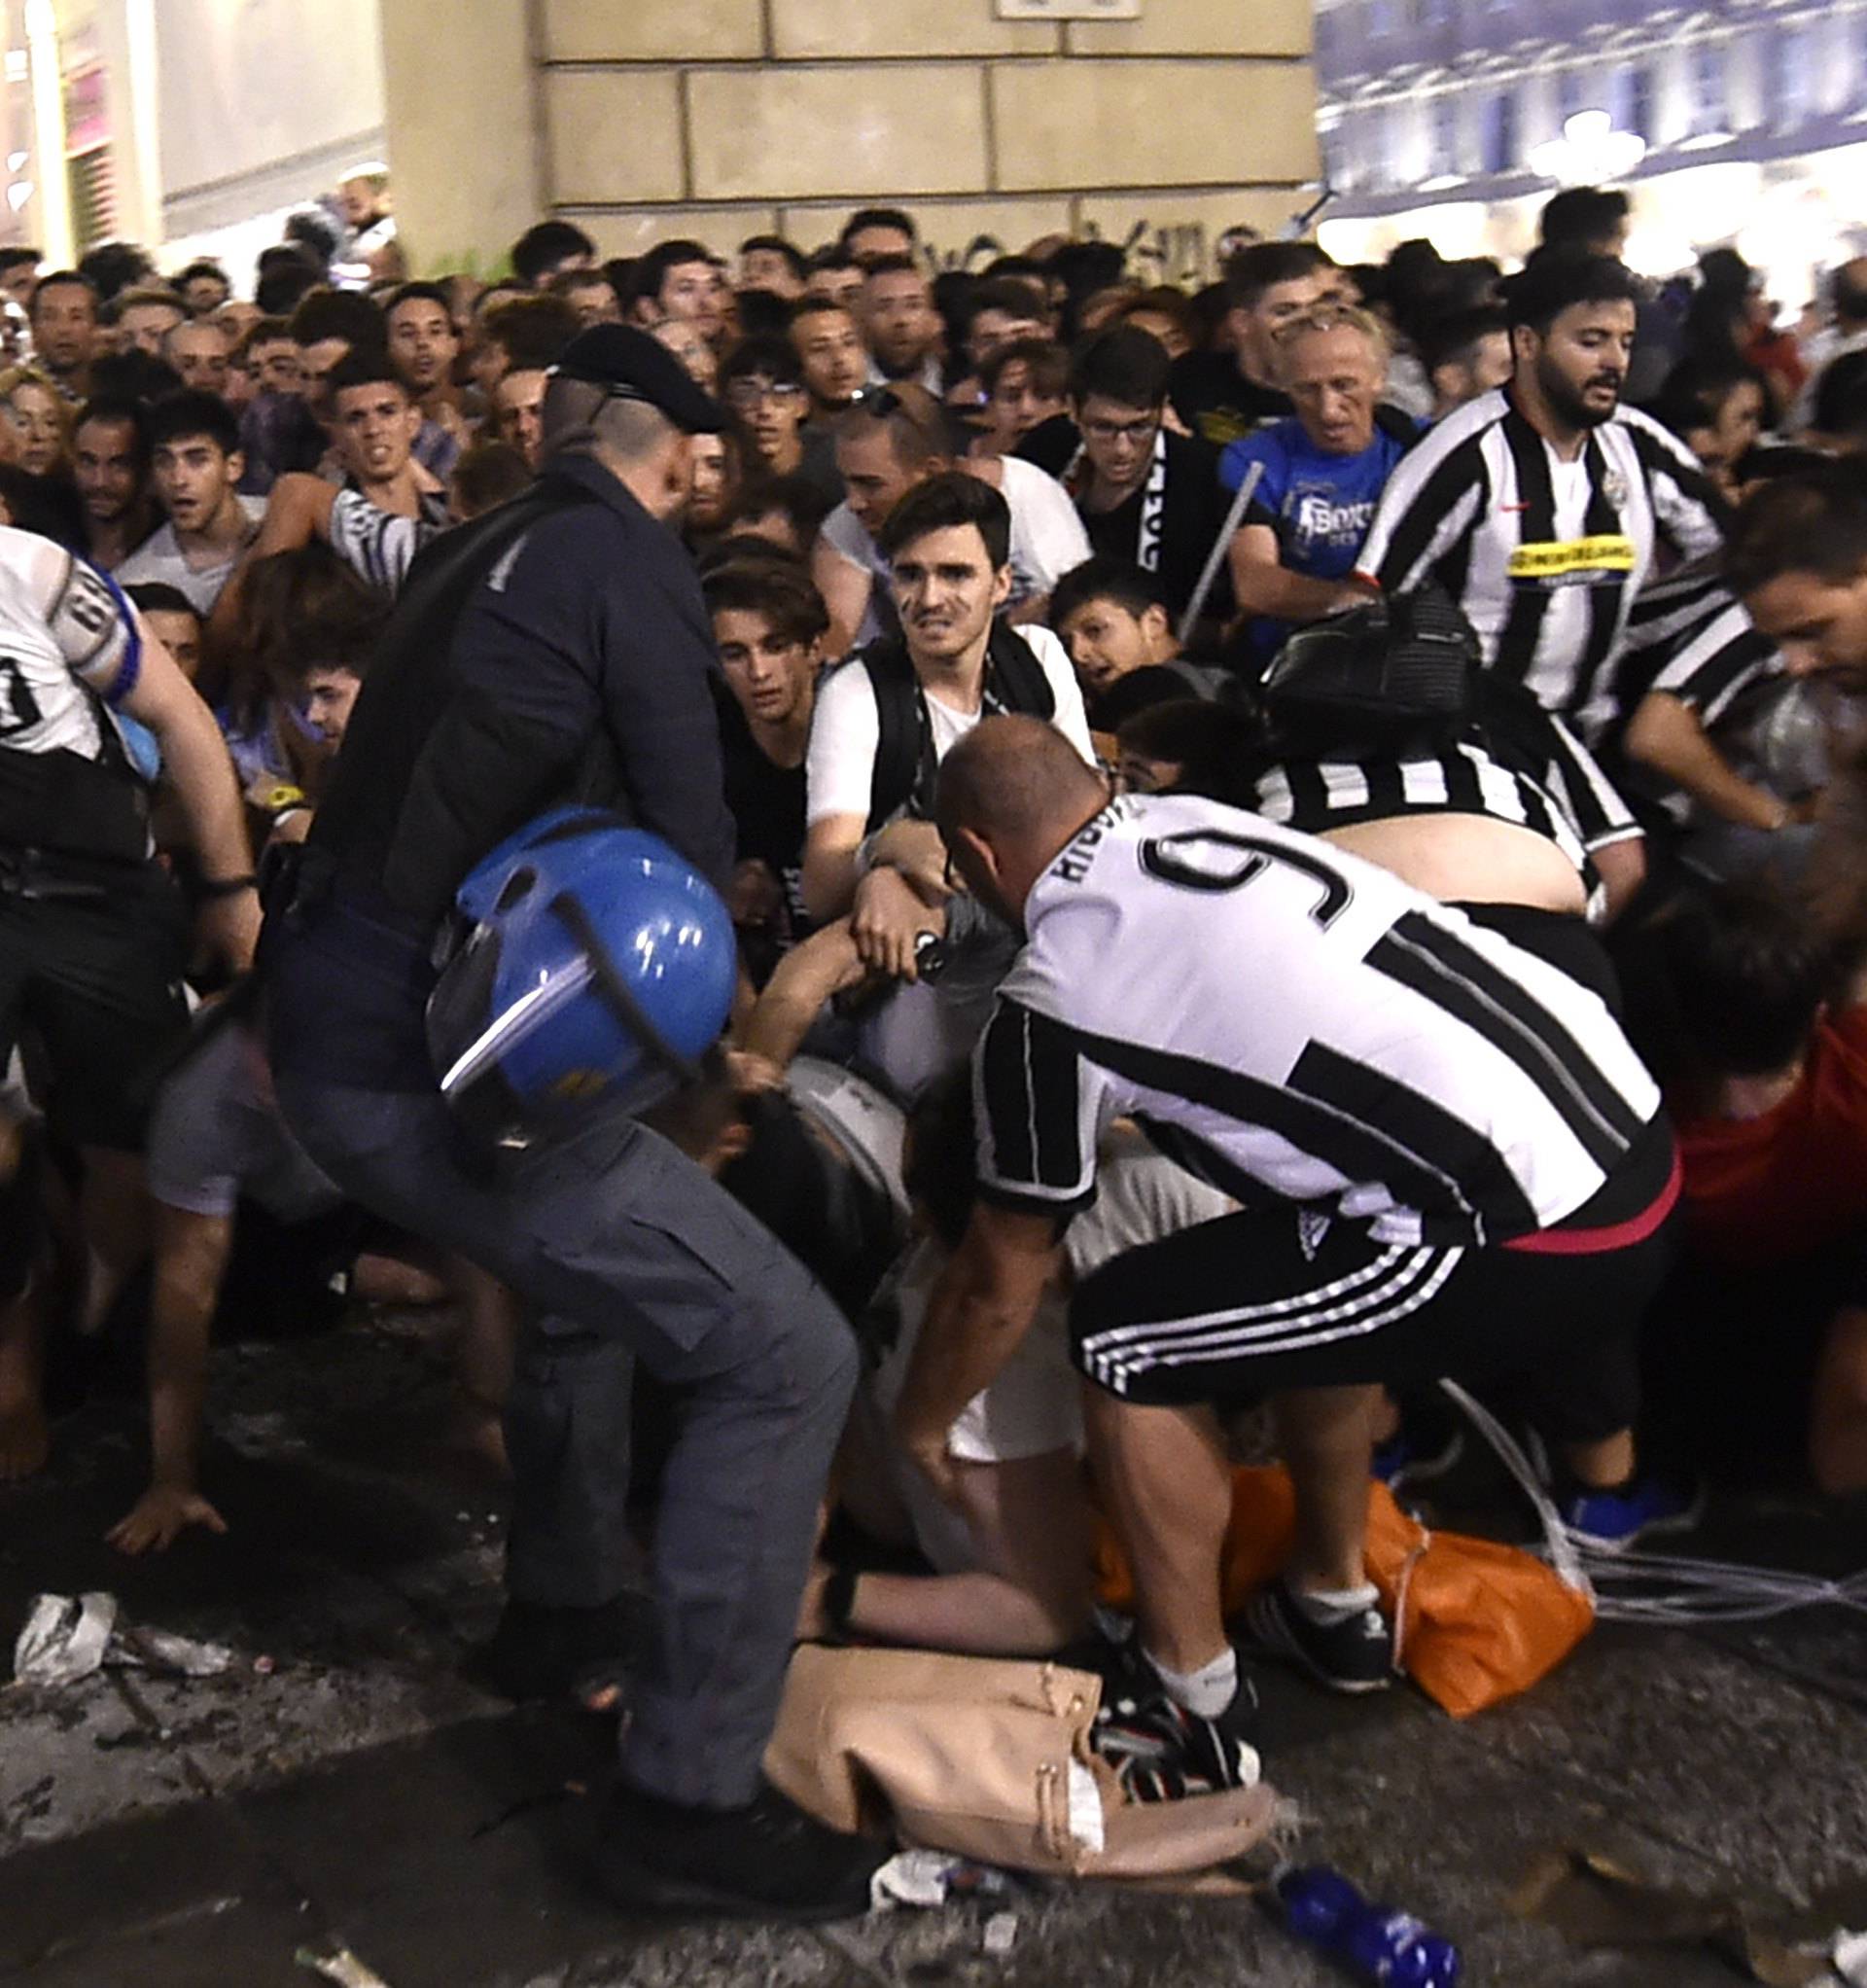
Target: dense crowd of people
(1273, 834)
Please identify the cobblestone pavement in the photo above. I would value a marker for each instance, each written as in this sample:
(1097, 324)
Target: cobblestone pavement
(342, 1786)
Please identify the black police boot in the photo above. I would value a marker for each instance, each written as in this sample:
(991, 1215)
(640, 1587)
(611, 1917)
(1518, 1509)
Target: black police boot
(766, 1860)
(554, 1652)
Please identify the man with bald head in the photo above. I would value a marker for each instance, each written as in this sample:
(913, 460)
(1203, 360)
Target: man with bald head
(1447, 1159)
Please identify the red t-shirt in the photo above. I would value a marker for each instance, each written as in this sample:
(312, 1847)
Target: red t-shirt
(1761, 1191)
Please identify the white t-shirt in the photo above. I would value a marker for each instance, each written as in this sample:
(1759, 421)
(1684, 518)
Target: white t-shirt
(1047, 538)
(842, 535)
(159, 558)
(846, 729)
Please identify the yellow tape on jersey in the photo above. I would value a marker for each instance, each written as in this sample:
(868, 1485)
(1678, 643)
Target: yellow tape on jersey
(1557, 560)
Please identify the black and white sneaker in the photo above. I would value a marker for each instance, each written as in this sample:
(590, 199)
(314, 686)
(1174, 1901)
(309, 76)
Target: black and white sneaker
(1161, 1751)
(1355, 1655)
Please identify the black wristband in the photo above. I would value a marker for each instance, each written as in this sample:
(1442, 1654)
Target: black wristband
(839, 1597)
(225, 886)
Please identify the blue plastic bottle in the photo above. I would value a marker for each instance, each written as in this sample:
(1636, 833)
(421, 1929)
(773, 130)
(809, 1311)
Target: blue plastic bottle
(1387, 1948)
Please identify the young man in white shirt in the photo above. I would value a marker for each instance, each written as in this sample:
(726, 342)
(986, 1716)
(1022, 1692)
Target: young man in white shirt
(197, 463)
(887, 718)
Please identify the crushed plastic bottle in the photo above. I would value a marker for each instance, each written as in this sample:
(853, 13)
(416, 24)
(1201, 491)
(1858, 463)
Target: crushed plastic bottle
(1384, 1947)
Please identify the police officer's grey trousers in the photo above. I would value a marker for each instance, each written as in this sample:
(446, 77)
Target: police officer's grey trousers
(623, 1247)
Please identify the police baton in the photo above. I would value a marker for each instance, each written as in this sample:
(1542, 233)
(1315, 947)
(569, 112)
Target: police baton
(1228, 531)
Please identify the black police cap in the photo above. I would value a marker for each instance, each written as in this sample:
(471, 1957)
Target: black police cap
(636, 367)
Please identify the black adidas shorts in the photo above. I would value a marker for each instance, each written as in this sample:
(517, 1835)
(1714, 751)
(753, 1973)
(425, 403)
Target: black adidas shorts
(1288, 1298)
(98, 983)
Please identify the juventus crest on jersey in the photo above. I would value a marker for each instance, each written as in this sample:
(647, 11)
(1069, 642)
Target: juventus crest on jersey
(1291, 1021)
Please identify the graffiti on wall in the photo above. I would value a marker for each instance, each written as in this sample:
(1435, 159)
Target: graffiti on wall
(1180, 253)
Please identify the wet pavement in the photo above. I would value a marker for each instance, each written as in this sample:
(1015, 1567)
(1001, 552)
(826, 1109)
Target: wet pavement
(343, 1787)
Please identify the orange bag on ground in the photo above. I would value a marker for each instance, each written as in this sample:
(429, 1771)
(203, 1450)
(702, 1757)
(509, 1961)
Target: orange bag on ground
(1474, 1621)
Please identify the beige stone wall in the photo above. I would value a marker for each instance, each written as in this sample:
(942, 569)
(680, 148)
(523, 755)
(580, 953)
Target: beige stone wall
(641, 119)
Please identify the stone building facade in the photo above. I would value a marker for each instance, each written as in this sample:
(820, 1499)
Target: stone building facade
(641, 119)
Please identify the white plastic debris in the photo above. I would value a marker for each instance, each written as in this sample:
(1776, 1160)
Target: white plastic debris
(927, 1879)
(919, 1878)
(69, 1637)
(64, 1639)
(157, 1649)
(1851, 1958)
(1000, 1932)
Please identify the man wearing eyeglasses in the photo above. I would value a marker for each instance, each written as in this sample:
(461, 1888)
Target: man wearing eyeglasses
(1146, 496)
(762, 384)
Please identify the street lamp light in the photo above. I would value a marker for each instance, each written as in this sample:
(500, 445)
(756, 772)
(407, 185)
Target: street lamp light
(1589, 151)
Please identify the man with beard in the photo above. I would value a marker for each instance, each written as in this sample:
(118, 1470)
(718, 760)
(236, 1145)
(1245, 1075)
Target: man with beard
(110, 458)
(1541, 507)
(900, 324)
(830, 350)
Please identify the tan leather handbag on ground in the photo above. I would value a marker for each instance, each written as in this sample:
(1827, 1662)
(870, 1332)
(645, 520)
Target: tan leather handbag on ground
(988, 1760)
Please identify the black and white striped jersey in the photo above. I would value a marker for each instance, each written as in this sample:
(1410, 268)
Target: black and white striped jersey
(1690, 636)
(1289, 1021)
(1545, 557)
(1513, 761)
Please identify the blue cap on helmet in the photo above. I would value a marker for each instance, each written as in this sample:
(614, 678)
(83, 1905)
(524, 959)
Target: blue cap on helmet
(598, 968)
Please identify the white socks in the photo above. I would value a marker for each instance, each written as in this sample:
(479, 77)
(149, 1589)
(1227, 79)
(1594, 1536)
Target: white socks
(1205, 1692)
(1328, 1605)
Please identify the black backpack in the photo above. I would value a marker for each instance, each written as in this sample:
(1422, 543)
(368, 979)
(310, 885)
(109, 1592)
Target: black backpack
(904, 762)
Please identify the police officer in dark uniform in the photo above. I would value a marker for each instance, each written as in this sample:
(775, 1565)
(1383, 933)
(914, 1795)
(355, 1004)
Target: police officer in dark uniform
(557, 651)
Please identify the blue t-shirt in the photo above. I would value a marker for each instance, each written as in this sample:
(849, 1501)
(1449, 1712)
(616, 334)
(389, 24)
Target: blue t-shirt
(1320, 505)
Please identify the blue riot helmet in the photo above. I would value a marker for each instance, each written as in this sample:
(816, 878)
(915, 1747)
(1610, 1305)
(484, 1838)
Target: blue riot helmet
(475, 898)
(596, 966)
